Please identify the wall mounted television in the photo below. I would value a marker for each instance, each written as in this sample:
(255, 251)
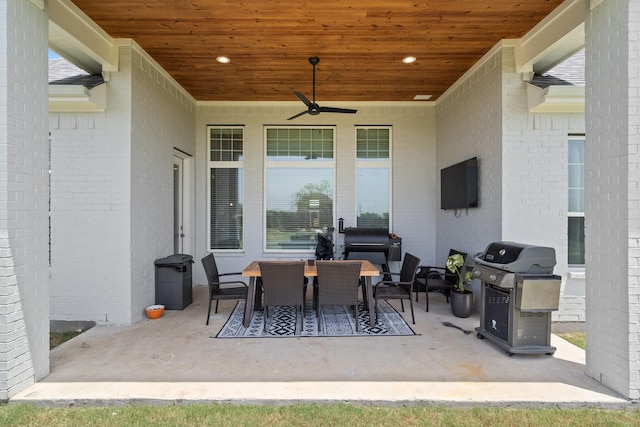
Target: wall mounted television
(459, 185)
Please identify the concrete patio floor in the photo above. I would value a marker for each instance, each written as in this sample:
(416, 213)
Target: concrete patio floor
(177, 360)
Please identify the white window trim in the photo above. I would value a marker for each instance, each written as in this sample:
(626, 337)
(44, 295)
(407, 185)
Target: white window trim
(222, 165)
(371, 165)
(572, 214)
(292, 164)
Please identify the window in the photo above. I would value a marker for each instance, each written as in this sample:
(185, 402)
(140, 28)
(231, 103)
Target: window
(373, 177)
(299, 186)
(225, 187)
(576, 201)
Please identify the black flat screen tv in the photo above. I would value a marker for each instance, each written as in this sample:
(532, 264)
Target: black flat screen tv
(459, 185)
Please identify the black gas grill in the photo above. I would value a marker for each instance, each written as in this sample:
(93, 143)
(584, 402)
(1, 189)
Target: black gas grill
(519, 291)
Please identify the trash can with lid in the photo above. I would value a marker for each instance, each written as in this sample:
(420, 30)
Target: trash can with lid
(173, 281)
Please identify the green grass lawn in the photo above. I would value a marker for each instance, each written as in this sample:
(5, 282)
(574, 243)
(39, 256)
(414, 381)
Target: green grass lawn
(311, 415)
(57, 338)
(334, 415)
(576, 338)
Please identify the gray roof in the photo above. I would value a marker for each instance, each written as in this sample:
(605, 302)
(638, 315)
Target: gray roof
(63, 72)
(570, 72)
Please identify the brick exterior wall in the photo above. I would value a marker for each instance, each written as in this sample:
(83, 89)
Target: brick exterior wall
(413, 182)
(611, 182)
(522, 161)
(24, 165)
(112, 194)
(162, 118)
(90, 209)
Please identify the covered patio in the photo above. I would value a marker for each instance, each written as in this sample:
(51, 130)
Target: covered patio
(89, 199)
(176, 360)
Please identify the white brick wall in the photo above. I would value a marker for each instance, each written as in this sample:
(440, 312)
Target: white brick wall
(522, 160)
(90, 209)
(24, 280)
(612, 179)
(414, 200)
(535, 180)
(111, 194)
(162, 118)
(469, 124)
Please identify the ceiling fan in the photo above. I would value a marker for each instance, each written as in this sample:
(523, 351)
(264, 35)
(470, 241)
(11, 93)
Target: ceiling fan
(314, 109)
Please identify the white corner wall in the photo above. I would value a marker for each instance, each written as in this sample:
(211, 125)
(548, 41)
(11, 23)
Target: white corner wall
(414, 196)
(90, 208)
(24, 164)
(612, 180)
(163, 117)
(535, 181)
(112, 193)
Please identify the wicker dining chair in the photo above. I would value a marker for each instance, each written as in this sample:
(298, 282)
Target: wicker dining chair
(403, 287)
(282, 284)
(338, 285)
(217, 292)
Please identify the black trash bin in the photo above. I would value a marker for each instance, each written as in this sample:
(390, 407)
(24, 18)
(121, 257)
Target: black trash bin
(173, 281)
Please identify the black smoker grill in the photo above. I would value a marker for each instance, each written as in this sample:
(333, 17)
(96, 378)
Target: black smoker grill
(373, 245)
(519, 291)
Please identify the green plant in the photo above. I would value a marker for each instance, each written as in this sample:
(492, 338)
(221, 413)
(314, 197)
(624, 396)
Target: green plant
(455, 263)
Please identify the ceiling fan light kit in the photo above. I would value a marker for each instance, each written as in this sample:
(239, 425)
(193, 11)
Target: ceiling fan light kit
(313, 108)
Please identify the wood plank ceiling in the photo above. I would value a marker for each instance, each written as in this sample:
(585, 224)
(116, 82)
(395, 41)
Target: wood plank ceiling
(360, 43)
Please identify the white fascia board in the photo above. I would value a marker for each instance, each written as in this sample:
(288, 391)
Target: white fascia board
(556, 99)
(77, 98)
(74, 35)
(559, 35)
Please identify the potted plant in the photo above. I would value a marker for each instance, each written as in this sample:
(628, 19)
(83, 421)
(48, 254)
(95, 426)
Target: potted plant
(461, 297)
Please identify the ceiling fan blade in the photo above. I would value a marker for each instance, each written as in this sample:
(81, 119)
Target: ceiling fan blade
(303, 98)
(298, 115)
(337, 110)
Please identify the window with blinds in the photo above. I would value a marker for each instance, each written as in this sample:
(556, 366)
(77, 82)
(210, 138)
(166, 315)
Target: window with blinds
(373, 177)
(225, 188)
(576, 201)
(299, 186)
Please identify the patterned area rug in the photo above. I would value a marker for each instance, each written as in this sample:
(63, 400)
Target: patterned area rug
(337, 322)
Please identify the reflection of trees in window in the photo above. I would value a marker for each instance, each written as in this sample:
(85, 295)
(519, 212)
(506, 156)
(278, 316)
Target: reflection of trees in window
(299, 186)
(314, 205)
(373, 220)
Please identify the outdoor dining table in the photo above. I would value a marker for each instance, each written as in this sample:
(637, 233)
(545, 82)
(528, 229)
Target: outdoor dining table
(367, 271)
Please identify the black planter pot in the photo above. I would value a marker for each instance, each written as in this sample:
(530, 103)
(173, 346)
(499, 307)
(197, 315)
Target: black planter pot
(461, 303)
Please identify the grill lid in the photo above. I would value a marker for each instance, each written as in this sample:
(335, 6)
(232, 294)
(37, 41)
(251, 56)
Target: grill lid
(518, 258)
(366, 239)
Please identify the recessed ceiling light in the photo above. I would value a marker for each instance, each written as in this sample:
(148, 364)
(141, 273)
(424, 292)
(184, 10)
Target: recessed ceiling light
(421, 97)
(223, 59)
(409, 59)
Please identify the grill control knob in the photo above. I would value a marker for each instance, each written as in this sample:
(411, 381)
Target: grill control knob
(477, 273)
(493, 277)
